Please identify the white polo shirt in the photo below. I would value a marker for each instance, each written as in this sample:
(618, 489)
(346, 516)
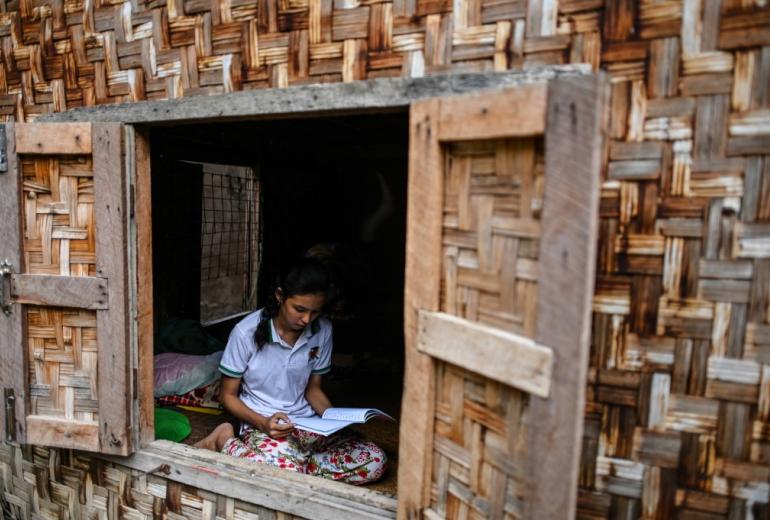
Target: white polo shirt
(274, 378)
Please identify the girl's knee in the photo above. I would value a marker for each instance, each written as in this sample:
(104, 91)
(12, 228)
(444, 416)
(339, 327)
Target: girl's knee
(375, 466)
(379, 457)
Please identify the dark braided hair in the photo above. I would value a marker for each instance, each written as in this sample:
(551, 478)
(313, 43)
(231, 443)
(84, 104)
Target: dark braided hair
(305, 275)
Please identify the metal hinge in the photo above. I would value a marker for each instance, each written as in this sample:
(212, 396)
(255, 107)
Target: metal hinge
(10, 414)
(3, 150)
(131, 201)
(6, 269)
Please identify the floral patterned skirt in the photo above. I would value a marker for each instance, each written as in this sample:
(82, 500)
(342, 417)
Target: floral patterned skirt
(337, 457)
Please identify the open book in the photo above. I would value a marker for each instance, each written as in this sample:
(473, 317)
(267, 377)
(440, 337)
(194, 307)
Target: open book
(335, 419)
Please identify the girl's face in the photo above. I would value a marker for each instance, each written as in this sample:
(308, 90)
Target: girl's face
(298, 311)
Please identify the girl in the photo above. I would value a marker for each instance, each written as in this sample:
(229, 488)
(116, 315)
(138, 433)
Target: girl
(276, 356)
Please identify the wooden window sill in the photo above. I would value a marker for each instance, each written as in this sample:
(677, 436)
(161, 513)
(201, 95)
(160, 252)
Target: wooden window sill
(274, 488)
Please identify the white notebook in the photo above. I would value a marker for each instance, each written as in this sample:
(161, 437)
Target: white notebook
(335, 419)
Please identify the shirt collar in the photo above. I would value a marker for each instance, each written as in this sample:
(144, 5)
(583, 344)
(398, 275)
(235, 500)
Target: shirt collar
(307, 333)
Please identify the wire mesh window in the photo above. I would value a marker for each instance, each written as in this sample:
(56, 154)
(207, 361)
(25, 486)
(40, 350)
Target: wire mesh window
(229, 241)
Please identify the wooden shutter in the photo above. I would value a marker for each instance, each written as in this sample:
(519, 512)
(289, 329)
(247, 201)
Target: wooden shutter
(502, 218)
(65, 341)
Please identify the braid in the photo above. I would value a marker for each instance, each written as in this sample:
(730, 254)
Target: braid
(270, 311)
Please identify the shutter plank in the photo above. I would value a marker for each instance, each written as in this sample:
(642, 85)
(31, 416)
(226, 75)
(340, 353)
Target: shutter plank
(483, 117)
(53, 138)
(11, 342)
(113, 379)
(85, 292)
(518, 361)
(62, 432)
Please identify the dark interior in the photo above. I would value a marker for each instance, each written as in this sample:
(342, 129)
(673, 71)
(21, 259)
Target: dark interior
(336, 181)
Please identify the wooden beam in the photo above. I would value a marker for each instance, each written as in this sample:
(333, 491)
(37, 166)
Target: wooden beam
(423, 279)
(114, 389)
(86, 292)
(519, 361)
(371, 95)
(286, 491)
(482, 116)
(47, 138)
(574, 151)
(12, 347)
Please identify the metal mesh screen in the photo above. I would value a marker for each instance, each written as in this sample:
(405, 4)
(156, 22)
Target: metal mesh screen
(229, 240)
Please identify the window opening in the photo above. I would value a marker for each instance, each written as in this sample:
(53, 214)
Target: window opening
(221, 233)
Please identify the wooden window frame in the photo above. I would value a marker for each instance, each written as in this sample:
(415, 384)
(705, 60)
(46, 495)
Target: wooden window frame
(266, 486)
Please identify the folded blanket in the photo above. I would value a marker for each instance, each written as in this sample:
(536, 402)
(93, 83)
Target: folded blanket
(205, 397)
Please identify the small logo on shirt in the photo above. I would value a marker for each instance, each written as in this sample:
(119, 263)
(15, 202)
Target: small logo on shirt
(315, 353)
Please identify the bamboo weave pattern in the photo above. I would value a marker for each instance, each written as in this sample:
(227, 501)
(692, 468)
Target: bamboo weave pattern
(59, 240)
(676, 422)
(66, 484)
(492, 199)
(59, 215)
(63, 362)
(677, 419)
(493, 194)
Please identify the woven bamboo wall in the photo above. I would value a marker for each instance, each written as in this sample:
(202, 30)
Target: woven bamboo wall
(679, 391)
(677, 419)
(48, 484)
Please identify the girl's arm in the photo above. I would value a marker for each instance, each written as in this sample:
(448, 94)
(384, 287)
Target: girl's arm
(316, 396)
(276, 426)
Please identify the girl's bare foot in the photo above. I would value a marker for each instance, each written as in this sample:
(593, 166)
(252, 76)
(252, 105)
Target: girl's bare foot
(215, 440)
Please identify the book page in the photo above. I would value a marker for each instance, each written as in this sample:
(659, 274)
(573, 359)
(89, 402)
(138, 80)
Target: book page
(358, 415)
(319, 425)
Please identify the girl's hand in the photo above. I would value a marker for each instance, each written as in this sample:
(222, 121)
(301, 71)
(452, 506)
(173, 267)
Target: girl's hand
(278, 425)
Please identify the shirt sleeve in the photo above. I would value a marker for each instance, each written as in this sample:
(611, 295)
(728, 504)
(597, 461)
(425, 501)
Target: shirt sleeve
(237, 353)
(323, 364)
